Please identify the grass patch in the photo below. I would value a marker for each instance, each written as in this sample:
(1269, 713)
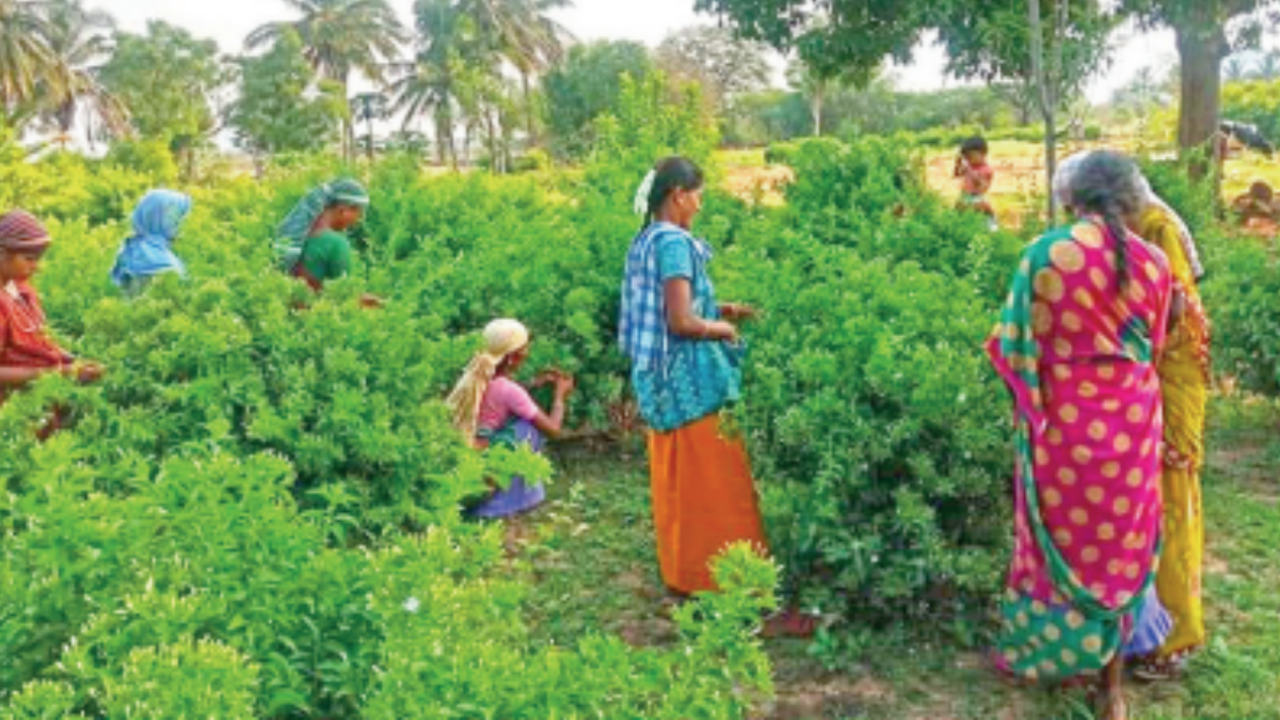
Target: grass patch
(590, 554)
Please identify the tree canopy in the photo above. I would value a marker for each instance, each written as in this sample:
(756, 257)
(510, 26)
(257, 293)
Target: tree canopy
(280, 109)
(168, 79)
(588, 85)
(849, 37)
(725, 66)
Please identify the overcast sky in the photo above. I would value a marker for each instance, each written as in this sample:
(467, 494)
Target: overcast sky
(649, 21)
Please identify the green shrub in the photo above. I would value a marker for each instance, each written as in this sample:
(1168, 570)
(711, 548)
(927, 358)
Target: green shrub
(42, 700)
(781, 153)
(716, 670)
(189, 679)
(235, 507)
(152, 158)
(1242, 294)
(875, 425)
(871, 197)
(536, 160)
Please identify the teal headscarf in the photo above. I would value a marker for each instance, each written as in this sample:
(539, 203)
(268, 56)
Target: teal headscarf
(292, 236)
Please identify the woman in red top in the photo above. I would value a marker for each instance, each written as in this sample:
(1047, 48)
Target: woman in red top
(26, 350)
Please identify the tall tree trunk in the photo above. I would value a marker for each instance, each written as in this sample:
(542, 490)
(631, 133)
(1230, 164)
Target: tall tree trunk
(369, 116)
(348, 121)
(440, 148)
(1025, 111)
(531, 127)
(1048, 102)
(815, 106)
(492, 141)
(1201, 50)
(66, 116)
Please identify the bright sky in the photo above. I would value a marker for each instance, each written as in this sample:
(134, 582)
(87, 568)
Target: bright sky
(649, 21)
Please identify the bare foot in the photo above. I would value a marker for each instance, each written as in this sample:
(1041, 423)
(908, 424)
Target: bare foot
(1111, 706)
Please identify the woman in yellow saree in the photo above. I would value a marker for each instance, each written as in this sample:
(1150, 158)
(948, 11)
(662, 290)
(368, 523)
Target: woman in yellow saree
(1184, 375)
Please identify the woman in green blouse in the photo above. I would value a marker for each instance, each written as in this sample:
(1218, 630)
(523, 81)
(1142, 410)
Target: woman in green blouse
(313, 241)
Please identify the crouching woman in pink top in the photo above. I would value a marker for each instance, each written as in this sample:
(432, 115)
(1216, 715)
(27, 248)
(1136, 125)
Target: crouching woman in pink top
(490, 408)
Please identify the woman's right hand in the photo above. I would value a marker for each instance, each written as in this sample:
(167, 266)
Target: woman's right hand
(565, 385)
(722, 331)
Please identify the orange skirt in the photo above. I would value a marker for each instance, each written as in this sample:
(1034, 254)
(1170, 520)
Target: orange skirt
(703, 501)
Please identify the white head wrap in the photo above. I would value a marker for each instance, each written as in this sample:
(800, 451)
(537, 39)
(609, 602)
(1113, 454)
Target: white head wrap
(502, 338)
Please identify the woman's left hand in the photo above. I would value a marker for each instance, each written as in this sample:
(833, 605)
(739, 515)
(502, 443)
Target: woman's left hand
(734, 312)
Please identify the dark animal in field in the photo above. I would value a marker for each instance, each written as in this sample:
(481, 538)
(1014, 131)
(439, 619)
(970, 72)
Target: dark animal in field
(1248, 135)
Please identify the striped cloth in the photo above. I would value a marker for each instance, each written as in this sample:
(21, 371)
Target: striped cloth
(20, 231)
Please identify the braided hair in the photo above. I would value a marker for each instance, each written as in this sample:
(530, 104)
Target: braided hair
(1108, 184)
(671, 174)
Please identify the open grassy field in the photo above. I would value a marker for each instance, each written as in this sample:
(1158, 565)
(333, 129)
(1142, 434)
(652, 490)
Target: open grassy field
(590, 556)
(1020, 185)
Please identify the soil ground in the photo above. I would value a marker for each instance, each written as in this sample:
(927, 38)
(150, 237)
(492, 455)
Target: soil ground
(590, 554)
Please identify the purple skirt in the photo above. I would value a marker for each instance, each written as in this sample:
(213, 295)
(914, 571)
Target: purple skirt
(520, 496)
(1151, 626)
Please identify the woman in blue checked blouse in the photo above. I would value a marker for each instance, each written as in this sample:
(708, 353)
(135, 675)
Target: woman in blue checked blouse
(685, 357)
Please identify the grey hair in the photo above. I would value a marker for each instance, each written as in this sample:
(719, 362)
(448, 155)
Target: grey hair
(1063, 177)
(1109, 185)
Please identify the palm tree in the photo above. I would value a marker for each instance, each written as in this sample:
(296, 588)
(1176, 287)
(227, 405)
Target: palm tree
(26, 60)
(80, 38)
(430, 84)
(525, 36)
(340, 37)
(814, 86)
(367, 108)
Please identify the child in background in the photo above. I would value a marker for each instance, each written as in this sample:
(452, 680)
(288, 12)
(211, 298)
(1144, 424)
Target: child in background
(976, 177)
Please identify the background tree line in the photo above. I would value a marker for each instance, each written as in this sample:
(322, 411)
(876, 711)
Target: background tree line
(487, 81)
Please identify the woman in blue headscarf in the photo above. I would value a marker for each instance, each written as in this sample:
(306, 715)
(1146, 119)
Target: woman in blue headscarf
(149, 252)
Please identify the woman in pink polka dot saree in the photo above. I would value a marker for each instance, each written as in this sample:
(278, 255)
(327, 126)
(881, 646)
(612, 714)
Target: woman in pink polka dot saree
(1076, 345)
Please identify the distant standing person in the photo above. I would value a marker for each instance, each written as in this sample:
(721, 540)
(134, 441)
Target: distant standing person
(149, 251)
(976, 177)
(685, 358)
(491, 408)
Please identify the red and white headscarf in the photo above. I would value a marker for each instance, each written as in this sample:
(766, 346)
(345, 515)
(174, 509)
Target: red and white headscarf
(20, 231)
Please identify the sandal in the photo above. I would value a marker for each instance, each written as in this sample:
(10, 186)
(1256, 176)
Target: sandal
(1160, 669)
